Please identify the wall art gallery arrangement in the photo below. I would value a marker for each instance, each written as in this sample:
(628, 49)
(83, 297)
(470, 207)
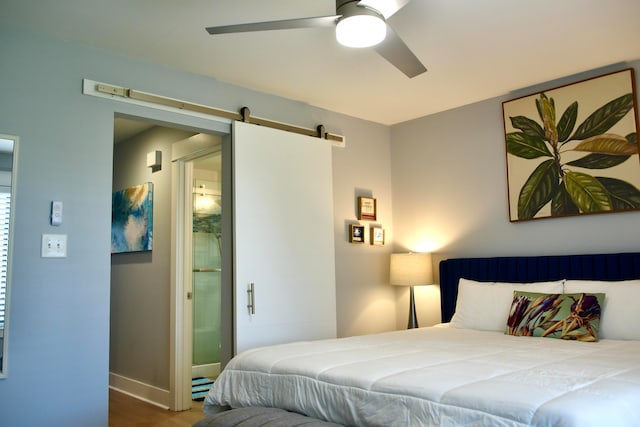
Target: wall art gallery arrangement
(367, 211)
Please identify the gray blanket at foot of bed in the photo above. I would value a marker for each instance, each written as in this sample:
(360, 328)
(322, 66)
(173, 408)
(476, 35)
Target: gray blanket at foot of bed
(256, 417)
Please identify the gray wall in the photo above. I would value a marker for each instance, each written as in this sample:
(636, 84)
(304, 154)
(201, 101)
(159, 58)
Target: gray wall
(365, 301)
(60, 308)
(450, 193)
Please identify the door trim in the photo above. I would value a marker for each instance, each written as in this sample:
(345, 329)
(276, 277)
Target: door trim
(181, 275)
(181, 283)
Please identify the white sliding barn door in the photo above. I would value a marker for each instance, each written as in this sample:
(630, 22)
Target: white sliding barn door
(283, 237)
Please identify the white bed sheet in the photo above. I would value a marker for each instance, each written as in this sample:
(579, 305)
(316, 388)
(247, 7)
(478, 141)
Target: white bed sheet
(441, 376)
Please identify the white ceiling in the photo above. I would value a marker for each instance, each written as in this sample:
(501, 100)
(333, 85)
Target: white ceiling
(473, 50)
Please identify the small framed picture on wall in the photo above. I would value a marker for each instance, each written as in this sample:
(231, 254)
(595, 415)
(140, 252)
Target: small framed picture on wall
(356, 233)
(366, 208)
(376, 236)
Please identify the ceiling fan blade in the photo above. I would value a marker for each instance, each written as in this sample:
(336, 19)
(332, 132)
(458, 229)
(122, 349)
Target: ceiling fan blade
(386, 7)
(286, 24)
(394, 50)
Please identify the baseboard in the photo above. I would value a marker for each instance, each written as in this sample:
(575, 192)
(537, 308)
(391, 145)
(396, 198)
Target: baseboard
(145, 392)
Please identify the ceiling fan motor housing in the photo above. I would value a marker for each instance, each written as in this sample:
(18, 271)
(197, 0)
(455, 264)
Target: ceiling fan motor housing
(347, 8)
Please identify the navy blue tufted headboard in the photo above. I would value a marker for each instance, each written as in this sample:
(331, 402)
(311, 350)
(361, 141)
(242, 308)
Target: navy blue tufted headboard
(620, 266)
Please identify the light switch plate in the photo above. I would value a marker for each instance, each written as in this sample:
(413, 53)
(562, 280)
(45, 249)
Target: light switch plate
(54, 246)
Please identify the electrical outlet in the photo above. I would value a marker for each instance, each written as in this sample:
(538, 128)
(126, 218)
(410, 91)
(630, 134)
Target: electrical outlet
(54, 246)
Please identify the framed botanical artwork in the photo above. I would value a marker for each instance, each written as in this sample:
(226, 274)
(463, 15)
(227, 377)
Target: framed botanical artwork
(132, 219)
(366, 208)
(376, 236)
(356, 233)
(573, 150)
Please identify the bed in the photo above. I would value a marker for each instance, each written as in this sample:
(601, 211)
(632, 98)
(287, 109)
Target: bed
(467, 371)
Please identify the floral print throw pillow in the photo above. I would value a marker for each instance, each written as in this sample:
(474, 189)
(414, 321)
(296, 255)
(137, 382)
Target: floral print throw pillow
(566, 316)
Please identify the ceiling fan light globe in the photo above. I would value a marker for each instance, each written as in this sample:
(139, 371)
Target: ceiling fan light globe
(361, 31)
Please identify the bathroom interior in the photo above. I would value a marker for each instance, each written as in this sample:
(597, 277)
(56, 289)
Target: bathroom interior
(207, 267)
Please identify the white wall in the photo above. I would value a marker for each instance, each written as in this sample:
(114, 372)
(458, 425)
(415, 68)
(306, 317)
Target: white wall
(59, 343)
(450, 194)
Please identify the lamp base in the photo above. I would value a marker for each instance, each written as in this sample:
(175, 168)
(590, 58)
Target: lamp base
(413, 319)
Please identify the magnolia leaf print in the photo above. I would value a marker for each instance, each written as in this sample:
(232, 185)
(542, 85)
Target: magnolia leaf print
(538, 190)
(567, 122)
(613, 145)
(566, 187)
(526, 146)
(605, 161)
(587, 192)
(605, 117)
(622, 194)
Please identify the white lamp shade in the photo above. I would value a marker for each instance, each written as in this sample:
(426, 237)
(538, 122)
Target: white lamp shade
(361, 31)
(411, 269)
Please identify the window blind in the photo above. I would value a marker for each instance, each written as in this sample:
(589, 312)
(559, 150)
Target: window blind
(5, 211)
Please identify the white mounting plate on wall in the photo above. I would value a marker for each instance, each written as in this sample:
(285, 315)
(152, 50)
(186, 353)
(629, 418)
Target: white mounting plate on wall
(54, 246)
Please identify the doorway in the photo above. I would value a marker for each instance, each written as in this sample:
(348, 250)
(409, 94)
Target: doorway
(202, 247)
(150, 299)
(206, 249)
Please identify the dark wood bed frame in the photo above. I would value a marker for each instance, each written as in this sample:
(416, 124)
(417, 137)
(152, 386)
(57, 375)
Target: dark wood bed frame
(521, 269)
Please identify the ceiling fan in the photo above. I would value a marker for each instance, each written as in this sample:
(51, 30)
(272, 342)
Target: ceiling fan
(359, 23)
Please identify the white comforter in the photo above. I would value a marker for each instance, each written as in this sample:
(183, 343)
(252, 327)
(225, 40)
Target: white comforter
(441, 377)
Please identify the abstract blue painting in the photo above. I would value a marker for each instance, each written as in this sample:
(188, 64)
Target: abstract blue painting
(132, 219)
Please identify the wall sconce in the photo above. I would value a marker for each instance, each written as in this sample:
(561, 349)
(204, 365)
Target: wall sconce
(154, 160)
(410, 270)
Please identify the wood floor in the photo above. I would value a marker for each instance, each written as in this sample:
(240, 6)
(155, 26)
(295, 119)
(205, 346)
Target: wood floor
(126, 411)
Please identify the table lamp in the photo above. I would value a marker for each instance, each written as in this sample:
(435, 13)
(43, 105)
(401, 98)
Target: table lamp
(410, 270)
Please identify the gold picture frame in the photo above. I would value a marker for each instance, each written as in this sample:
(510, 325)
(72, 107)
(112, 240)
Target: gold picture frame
(376, 236)
(367, 208)
(573, 149)
(356, 233)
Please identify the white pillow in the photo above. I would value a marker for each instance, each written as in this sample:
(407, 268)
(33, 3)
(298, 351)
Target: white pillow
(485, 305)
(620, 316)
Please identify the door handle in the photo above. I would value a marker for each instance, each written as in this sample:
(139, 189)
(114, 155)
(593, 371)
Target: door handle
(251, 297)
